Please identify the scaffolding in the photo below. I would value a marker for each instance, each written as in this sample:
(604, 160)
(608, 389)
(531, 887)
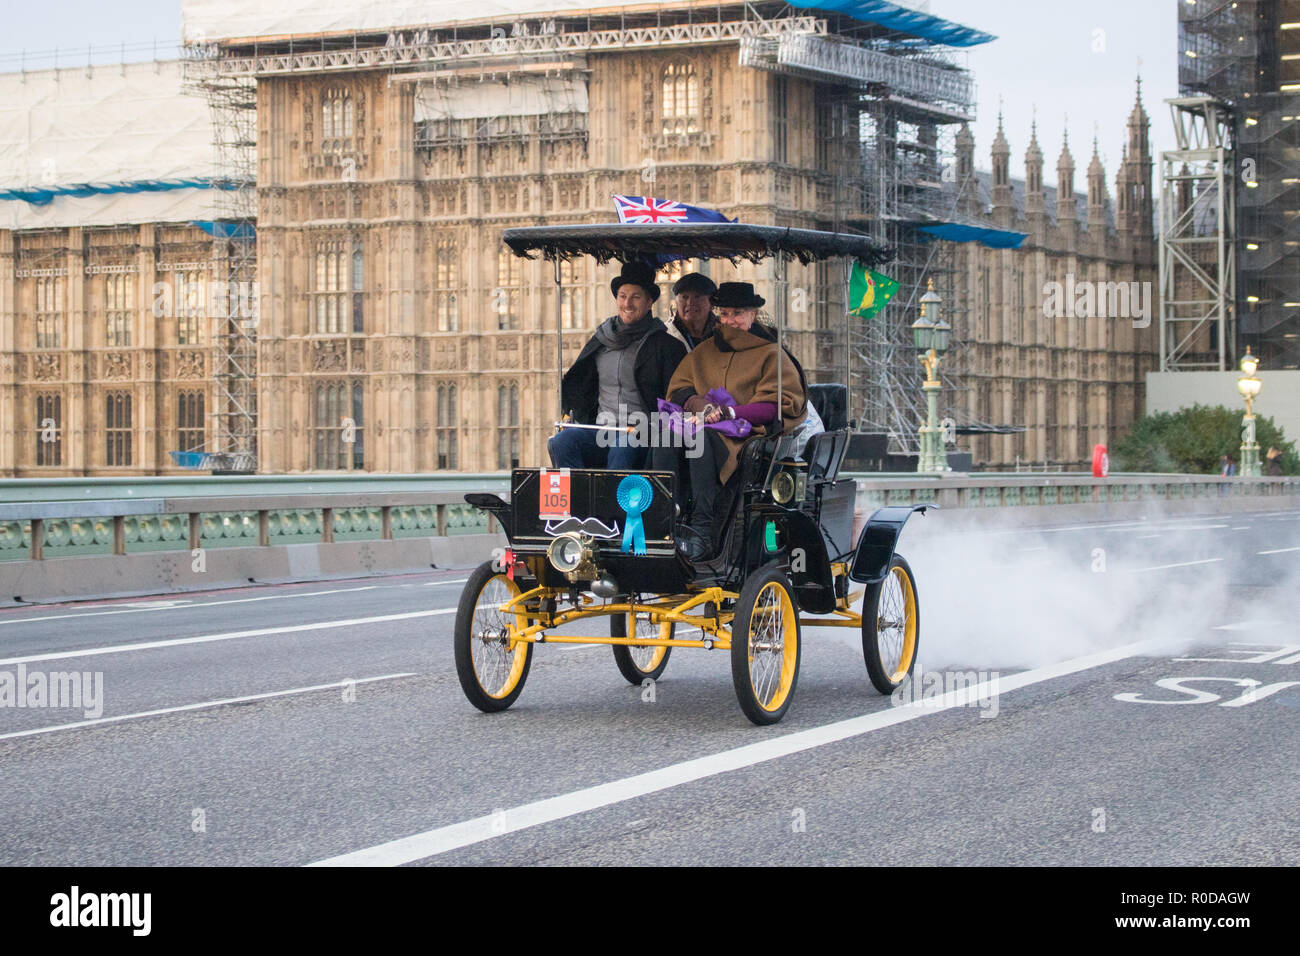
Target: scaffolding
(1246, 54)
(232, 103)
(1197, 261)
(901, 111)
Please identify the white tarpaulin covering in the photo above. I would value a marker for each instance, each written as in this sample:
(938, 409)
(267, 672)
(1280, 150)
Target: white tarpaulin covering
(205, 21)
(524, 96)
(103, 125)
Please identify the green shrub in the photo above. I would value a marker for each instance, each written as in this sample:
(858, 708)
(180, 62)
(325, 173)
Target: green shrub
(1191, 441)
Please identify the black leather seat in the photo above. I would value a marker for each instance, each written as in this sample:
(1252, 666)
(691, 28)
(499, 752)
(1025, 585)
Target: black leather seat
(831, 399)
(825, 452)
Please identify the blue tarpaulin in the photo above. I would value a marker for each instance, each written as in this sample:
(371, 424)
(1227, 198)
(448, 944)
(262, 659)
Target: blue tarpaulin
(924, 25)
(956, 232)
(44, 195)
(227, 230)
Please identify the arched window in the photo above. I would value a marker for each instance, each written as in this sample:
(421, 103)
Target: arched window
(681, 96)
(508, 293)
(447, 288)
(49, 430)
(119, 303)
(336, 116)
(117, 428)
(190, 431)
(188, 304)
(572, 279)
(507, 426)
(49, 312)
(339, 269)
(447, 452)
(337, 429)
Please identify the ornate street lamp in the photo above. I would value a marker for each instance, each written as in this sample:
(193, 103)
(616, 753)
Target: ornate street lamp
(930, 335)
(1248, 385)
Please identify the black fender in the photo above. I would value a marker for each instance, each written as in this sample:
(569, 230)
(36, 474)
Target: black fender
(876, 546)
(496, 506)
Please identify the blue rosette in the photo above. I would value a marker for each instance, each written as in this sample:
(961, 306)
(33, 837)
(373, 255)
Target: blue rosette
(634, 496)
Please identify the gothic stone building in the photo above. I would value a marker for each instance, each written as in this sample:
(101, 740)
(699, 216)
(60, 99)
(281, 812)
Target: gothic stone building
(1073, 374)
(396, 334)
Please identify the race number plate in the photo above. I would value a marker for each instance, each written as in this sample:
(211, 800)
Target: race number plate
(553, 494)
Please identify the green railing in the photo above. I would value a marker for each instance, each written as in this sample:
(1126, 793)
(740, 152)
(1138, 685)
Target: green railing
(989, 490)
(71, 517)
(66, 517)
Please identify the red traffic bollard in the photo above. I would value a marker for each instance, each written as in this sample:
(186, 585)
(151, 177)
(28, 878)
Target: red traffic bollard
(1100, 461)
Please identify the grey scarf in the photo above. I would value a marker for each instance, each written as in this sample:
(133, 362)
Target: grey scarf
(616, 335)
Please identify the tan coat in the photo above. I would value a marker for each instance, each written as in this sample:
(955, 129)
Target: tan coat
(745, 365)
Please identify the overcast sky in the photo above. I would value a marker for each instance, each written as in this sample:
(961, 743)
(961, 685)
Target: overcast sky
(1063, 56)
(1075, 59)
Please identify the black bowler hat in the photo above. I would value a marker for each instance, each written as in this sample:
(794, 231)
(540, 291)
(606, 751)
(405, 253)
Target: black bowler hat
(737, 295)
(639, 274)
(694, 282)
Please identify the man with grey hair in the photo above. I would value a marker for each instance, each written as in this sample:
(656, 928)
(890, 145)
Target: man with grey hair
(694, 320)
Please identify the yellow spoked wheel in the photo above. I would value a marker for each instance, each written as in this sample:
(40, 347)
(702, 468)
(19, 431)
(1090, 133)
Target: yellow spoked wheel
(637, 663)
(765, 645)
(891, 626)
(492, 668)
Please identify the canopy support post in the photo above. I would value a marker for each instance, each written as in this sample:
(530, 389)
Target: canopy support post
(559, 338)
(848, 342)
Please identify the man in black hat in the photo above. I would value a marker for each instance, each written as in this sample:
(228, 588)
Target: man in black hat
(621, 372)
(694, 321)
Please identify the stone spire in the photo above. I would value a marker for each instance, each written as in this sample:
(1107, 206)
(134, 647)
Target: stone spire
(967, 187)
(1123, 195)
(1139, 205)
(1002, 208)
(1065, 209)
(1035, 202)
(1096, 194)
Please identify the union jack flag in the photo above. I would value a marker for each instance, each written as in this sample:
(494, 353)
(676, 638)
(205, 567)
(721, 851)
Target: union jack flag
(646, 210)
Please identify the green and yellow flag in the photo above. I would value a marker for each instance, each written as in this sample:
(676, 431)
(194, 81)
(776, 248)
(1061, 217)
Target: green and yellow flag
(869, 291)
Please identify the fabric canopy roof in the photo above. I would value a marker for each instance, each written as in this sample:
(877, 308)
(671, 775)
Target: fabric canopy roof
(731, 240)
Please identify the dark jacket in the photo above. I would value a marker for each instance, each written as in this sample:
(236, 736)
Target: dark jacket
(677, 329)
(657, 358)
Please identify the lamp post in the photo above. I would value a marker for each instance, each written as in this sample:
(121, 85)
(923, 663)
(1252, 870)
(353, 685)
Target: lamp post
(1249, 387)
(930, 334)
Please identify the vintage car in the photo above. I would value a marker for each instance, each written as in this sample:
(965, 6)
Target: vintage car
(786, 557)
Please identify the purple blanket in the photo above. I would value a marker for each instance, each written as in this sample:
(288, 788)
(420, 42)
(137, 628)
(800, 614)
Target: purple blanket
(677, 416)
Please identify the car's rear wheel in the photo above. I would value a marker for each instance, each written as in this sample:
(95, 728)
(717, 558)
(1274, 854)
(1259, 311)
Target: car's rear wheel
(492, 667)
(765, 645)
(891, 626)
(637, 663)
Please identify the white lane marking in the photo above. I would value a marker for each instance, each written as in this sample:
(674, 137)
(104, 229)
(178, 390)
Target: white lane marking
(1117, 526)
(1180, 564)
(168, 606)
(1191, 527)
(443, 839)
(230, 636)
(1278, 551)
(1141, 536)
(1240, 527)
(438, 584)
(206, 704)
